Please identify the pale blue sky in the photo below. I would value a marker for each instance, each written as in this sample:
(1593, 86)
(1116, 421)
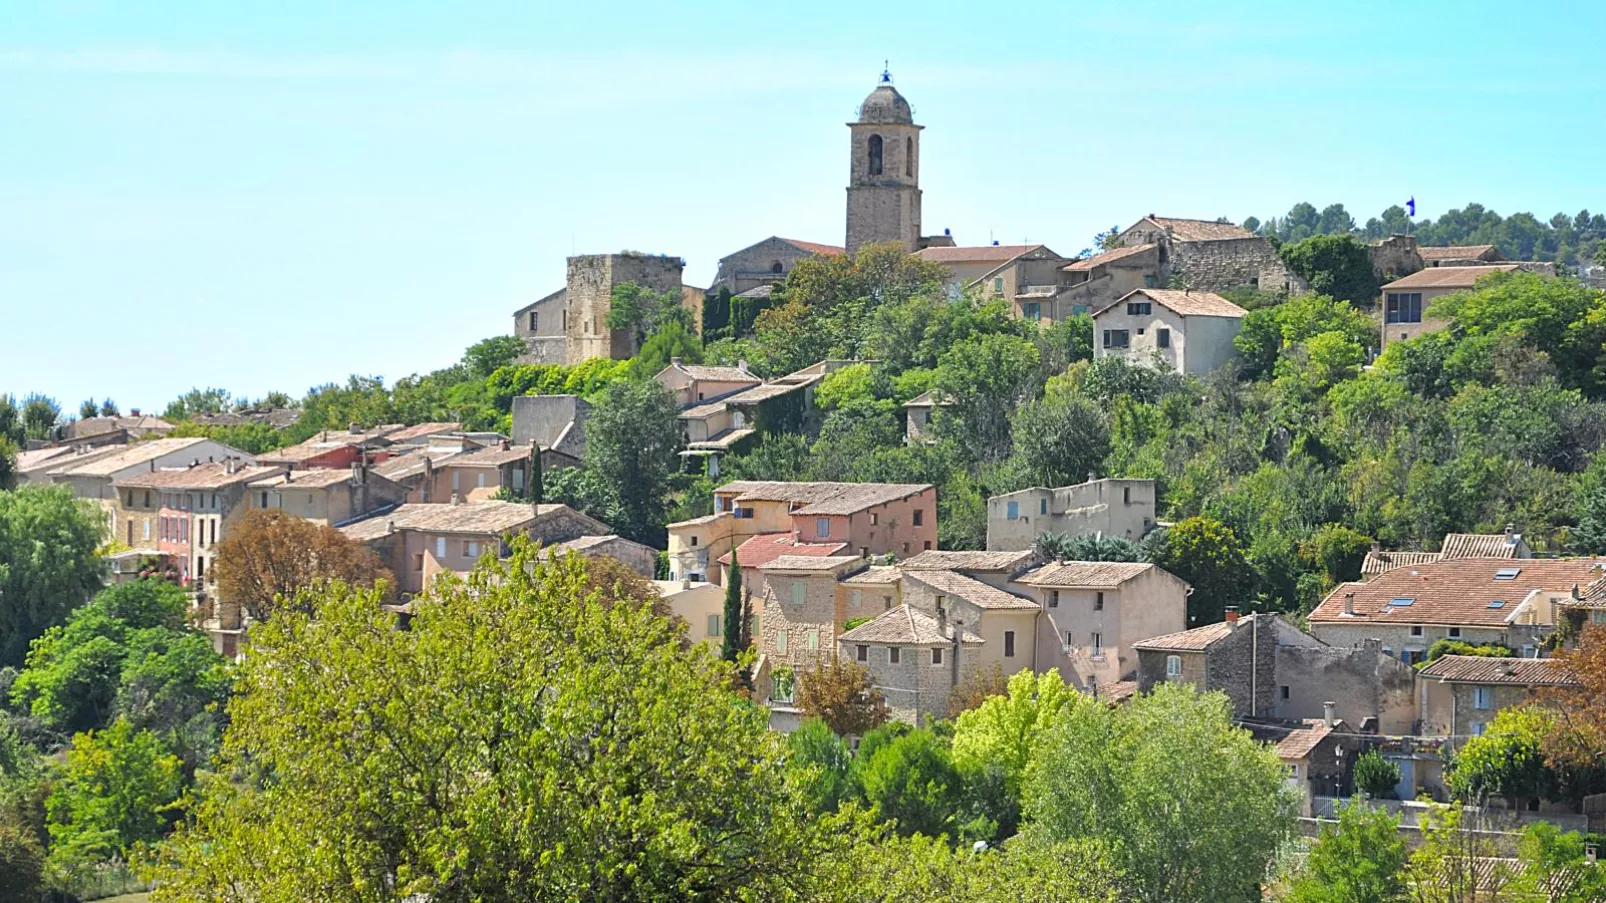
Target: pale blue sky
(269, 195)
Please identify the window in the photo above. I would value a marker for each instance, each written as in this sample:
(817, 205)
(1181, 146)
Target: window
(861, 652)
(263, 501)
(471, 549)
(1139, 309)
(1009, 644)
(1070, 641)
(822, 526)
(936, 655)
(1455, 633)
(874, 518)
(479, 481)
(418, 562)
(875, 155)
(1012, 511)
(909, 157)
(1416, 630)
(1173, 667)
(1053, 598)
(856, 598)
(535, 322)
(886, 603)
(998, 284)
(1507, 573)
(1126, 495)
(1478, 727)
(776, 268)
(440, 547)
(814, 641)
(130, 532)
(1498, 603)
(128, 499)
(457, 480)
(1401, 601)
(1042, 506)
(894, 655)
(713, 625)
(214, 501)
(1034, 311)
(147, 528)
(1149, 281)
(694, 541)
(780, 642)
(1283, 691)
(147, 498)
(1403, 307)
(200, 567)
(920, 516)
(1098, 644)
(926, 545)
(1098, 601)
(1162, 338)
(1117, 338)
(1483, 697)
(799, 589)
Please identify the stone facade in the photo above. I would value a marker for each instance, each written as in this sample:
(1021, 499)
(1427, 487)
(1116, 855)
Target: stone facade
(1220, 265)
(804, 606)
(1367, 687)
(765, 263)
(1242, 663)
(1394, 257)
(556, 423)
(570, 325)
(884, 172)
(1108, 507)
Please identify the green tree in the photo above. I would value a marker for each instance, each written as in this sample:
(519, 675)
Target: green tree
(8, 464)
(1061, 438)
(48, 562)
(911, 782)
(1375, 775)
(1087, 547)
(1555, 867)
(11, 426)
(1206, 553)
(207, 401)
(1190, 807)
(1004, 730)
(643, 312)
(1334, 264)
(733, 620)
(986, 378)
(120, 788)
(838, 691)
(1337, 550)
(40, 417)
(88, 409)
(490, 355)
(825, 764)
(672, 340)
(631, 442)
(1360, 859)
(22, 866)
(1506, 761)
(522, 740)
(108, 408)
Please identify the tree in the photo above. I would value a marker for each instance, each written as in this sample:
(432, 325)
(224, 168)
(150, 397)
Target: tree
(108, 408)
(490, 355)
(1206, 553)
(644, 312)
(672, 341)
(1375, 775)
(1506, 761)
(1190, 807)
(8, 464)
(22, 866)
(926, 868)
(88, 409)
(214, 401)
(1086, 547)
(631, 442)
(1334, 264)
(986, 378)
(11, 426)
(733, 620)
(838, 692)
(825, 762)
(1555, 867)
(911, 782)
(119, 789)
(40, 416)
(521, 740)
(1005, 729)
(978, 685)
(1337, 550)
(1360, 859)
(1455, 862)
(1578, 739)
(1061, 438)
(270, 555)
(48, 563)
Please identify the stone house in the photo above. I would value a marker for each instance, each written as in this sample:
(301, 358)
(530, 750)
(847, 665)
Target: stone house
(1099, 281)
(872, 518)
(918, 413)
(695, 384)
(1320, 755)
(331, 496)
(800, 613)
(1107, 507)
(766, 547)
(189, 511)
(913, 658)
(1210, 256)
(480, 473)
(641, 559)
(34, 464)
(414, 469)
(700, 605)
(1406, 300)
(1459, 256)
(1189, 331)
(1026, 276)
(765, 263)
(336, 448)
(570, 325)
(1094, 611)
(1511, 602)
(719, 411)
(555, 423)
(135, 427)
(94, 475)
(1461, 694)
(417, 542)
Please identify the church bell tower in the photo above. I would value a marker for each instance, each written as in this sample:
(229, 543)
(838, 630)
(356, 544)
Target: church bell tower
(884, 178)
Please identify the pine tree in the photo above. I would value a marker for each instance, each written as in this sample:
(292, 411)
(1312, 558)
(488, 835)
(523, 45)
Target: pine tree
(732, 646)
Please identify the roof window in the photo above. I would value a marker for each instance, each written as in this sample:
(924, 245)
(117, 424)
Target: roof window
(1401, 601)
(1507, 573)
(1498, 603)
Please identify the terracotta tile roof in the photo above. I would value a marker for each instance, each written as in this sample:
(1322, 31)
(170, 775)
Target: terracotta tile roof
(1480, 545)
(815, 247)
(1376, 562)
(766, 547)
(423, 431)
(1103, 574)
(584, 544)
(1451, 252)
(698, 521)
(876, 575)
(202, 476)
(1479, 669)
(1459, 592)
(127, 456)
(1117, 692)
(767, 391)
(926, 400)
(411, 463)
(1186, 303)
(808, 562)
(1447, 277)
(716, 374)
(1198, 639)
(319, 478)
(975, 254)
(823, 498)
(478, 518)
(1301, 743)
(975, 592)
(968, 561)
(1107, 257)
(1199, 229)
(488, 457)
(904, 626)
(1594, 596)
(95, 426)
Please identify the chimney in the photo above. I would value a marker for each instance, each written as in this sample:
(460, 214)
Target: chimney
(456, 499)
(1232, 615)
(353, 427)
(390, 527)
(1510, 529)
(1329, 710)
(356, 472)
(741, 364)
(674, 362)
(942, 617)
(133, 412)
(686, 583)
(1577, 594)
(1377, 547)
(289, 475)
(505, 445)
(1349, 604)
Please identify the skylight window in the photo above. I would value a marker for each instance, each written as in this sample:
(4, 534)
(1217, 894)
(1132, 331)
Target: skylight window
(1401, 601)
(1507, 573)
(1498, 603)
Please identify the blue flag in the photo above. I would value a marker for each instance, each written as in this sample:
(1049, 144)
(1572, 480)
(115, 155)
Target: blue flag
(1410, 206)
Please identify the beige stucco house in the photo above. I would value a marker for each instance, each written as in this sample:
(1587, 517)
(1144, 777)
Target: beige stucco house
(1189, 332)
(1026, 276)
(1095, 610)
(1461, 694)
(700, 605)
(1406, 301)
(94, 474)
(331, 496)
(1107, 507)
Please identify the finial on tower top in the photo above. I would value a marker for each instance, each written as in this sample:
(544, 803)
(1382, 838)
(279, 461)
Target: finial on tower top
(886, 72)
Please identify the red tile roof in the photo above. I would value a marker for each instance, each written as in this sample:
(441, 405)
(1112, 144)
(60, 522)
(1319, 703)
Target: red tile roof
(1107, 257)
(1480, 545)
(815, 246)
(1458, 592)
(1199, 229)
(1448, 277)
(1465, 252)
(1301, 743)
(1482, 669)
(766, 547)
(1084, 573)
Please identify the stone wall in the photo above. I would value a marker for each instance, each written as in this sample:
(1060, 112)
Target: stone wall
(1361, 681)
(1394, 257)
(1214, 266)
(545, 350)
(1244, 666)
(591, 281)
(767, 262)
(543, 418)
(815, 616)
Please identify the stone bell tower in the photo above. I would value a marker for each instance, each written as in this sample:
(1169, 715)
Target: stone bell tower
(884, 179)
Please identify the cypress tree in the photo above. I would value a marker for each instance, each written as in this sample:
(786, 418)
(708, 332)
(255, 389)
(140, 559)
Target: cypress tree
(733, 613)
(537, 486)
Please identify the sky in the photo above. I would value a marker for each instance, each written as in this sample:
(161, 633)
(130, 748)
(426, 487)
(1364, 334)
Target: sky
(273, 194)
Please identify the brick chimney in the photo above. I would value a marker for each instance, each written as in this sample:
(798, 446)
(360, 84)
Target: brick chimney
(1232, 615)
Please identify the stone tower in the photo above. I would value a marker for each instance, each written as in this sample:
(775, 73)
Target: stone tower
(592, 279)
(884, 180)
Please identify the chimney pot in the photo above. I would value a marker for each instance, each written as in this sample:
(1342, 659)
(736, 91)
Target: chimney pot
(133, 412)
(504, 445)
(1329, 710)
(675, 361)
(353, 427)
(456, 499)
(686, 583)
(1349, 603)
(1232, 614)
